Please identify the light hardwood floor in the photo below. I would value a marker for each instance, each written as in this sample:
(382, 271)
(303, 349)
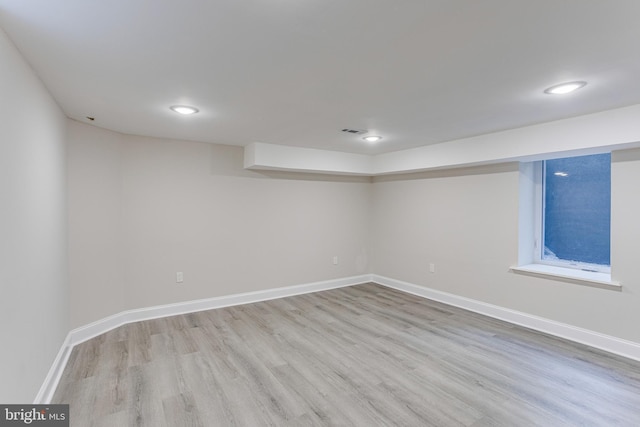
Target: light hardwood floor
(364, 355)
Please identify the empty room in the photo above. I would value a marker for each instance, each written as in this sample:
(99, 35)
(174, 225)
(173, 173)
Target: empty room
(292, 213)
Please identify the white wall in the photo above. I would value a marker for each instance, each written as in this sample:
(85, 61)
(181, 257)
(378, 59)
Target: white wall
(33, 233)
(154, 207)
(95, 223)
(465, 221)
(158, 206)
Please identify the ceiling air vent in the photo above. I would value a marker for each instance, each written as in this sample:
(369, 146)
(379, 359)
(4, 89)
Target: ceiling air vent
(355, 131)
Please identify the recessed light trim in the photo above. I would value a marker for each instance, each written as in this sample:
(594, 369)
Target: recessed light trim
(184, 109)
(564, 88)
(372, 138)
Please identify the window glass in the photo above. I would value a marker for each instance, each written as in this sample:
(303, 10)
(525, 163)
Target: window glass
(577, 210)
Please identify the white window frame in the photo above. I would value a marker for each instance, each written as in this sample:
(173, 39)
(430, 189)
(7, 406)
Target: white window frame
(530, 238)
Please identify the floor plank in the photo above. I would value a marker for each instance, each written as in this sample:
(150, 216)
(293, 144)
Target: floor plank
(363, 355)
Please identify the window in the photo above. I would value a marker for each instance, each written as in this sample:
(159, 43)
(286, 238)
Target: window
(575, 213)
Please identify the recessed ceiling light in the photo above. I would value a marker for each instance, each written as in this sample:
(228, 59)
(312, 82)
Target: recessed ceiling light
(372, 138)
(184, 109)
(563, 88)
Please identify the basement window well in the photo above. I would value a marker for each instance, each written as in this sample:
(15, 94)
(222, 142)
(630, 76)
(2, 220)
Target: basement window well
(565, 220)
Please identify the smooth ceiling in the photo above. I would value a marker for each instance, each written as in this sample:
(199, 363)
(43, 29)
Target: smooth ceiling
(296, 72)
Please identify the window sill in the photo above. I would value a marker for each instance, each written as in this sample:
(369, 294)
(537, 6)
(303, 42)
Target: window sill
(580, 277)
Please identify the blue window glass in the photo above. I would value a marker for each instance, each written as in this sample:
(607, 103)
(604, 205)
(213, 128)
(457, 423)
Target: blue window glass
(577, 209)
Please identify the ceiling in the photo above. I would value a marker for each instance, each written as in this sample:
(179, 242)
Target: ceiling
(297, 72)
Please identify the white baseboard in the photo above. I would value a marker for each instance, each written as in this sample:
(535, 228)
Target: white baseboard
(45, 394)
(604, 342)
(101, 326)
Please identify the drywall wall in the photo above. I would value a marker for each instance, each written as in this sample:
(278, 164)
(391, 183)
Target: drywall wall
(156, 207)
(190, 207)
(465, 222)
(625, 235)
(95, 222)
(261, 156)
(33, 232)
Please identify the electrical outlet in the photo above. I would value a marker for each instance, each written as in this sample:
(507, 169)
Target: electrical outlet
(335, 260)
(432, 268)
(179, 277)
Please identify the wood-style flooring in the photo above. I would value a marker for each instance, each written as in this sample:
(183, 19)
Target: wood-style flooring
(364, 356)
